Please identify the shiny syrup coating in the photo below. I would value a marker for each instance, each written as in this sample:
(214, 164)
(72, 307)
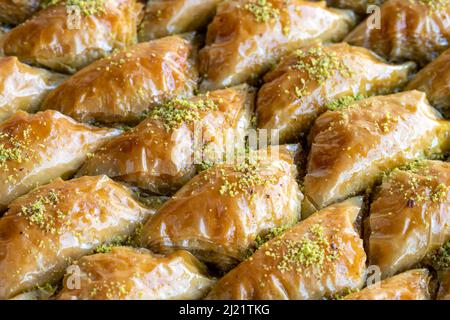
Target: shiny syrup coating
(43, 231)
(276, 271)
(241, 46)
(296, 92)
(409, 285)
(160, 159)
(414, 30)
(409, 217)
(54, 39)
(126, 273)
(434, 80)
(167, 17)
(220, 212)
(23, 87)
(37, 148)
(351, 148)
(120, 87)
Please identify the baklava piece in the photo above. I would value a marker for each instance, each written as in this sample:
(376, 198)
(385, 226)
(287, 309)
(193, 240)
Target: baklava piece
(318, 258)
(160, 154)
(352, 147)
(45, 230)
(314, 79)
(417, 30)
(120, 87)
(23, 87)
(168, 17)
(434, 80)
(410, 216)
(37, 148)
(125, 273)
(247, 36)
(220, 214)
(67, 36)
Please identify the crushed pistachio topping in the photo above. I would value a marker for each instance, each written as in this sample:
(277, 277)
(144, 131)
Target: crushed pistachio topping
(262, 10)
(117, 60)
(262, 239)
(47, 288)
(36, 212)
(14, 149)
(419, 187)
(440, 259)
(243, 179)
(129, 241)
(175, 112)
(87, 7)
(343, 102)
(319, 64)
(313, 250)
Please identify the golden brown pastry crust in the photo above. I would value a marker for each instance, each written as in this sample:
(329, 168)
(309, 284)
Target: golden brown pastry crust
(409, 285)
(120, 87)
(359, 6)
(137, 274)
(17, 11)
(23, 87)
(434, 80)
(351, 148)
(37, 148)
(167, 17)
(220, 212)
(239, 48)
(44, 230)
(409, 30)
(297, 91)
(49, 39)
(283, 269)
(410, 216)
(160, 159)
(444, 288)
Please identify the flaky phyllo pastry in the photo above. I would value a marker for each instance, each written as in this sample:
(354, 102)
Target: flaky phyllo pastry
(221, 212)
(352, 146)
(160, 154)
(129, 274)
(23, 87)
(417, 30)
(410, 216)
(64, 41)
(224, 149)
(36, 148)
(43, 231)
(285, 267)
(246, 37)
(434, 80)
(309, 81)
(121, 86)
(167, 17)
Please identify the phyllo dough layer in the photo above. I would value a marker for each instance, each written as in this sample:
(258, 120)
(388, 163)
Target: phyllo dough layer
(125, 273)
(45, 230)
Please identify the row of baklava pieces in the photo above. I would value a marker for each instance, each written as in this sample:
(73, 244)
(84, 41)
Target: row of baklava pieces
(160, 154)
(53, 230)
(383, 122)
(225, 211)
(243, 40)
(123, 85)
